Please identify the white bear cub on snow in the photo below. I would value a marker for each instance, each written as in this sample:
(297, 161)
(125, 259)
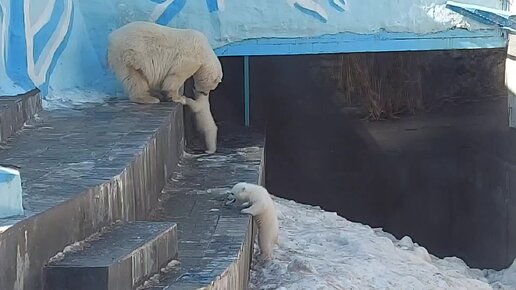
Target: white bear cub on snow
(149, 57)
(263, 210)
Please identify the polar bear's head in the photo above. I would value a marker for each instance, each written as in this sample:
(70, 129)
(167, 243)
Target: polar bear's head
(208, 77)
(241, 191)
(247, 192)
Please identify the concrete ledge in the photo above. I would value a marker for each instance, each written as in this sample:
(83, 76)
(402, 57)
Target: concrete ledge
(82, 170)
(215, 240)
(15, 111)
(119, 259)
(236, 275)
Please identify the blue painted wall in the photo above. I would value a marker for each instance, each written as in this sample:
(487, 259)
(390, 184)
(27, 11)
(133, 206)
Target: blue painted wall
(59, 46)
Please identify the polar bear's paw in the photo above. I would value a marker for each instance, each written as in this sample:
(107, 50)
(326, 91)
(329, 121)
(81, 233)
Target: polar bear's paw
(178, 99)
(245, 211)
(265, 257)
(159, 94)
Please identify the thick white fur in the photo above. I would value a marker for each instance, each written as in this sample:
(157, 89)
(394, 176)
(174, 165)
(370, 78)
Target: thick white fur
(146, 56)
(203, 119)
(263, 210)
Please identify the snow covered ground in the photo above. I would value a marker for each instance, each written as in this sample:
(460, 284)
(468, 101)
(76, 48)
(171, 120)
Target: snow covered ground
(320, 250)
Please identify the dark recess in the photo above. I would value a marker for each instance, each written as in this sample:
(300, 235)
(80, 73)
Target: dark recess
(441, 172)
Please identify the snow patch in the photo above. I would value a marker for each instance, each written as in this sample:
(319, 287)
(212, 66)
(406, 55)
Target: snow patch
(321, 250)
(154, 279)
(75, 247)
(80, 245)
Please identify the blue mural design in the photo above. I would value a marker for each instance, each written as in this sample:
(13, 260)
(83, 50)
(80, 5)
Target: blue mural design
(213, 5)
(171, 11)
(166, 10)
(16, 58)
(59, 46)
(308, 7)
(315, 10)
(318, 14)
(33, 47)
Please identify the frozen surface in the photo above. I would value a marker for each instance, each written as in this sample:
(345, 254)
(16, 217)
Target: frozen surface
(320, 250)
(10, 192)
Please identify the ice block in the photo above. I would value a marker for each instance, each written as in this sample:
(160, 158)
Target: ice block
(10, 192)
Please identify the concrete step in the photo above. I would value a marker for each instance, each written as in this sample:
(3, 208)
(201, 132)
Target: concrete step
(16, 110)
(78, 180)
(121, 258)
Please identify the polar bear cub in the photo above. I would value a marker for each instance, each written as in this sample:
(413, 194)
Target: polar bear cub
(263, 210)
(148, 57)
(200, 107)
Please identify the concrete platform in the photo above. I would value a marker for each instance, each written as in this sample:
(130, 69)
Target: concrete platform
(215, 240)
(83, 169)
(121, 258)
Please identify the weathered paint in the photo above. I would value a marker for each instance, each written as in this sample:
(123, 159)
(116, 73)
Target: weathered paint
(486, 15)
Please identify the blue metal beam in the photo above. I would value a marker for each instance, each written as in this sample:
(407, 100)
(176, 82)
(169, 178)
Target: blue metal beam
(380, 42)
(247, 104)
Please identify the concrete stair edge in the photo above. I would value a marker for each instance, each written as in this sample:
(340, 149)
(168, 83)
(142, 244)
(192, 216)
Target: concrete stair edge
(100, 263)
(15, 111)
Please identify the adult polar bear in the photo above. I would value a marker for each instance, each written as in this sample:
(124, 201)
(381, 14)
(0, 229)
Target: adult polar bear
(149, 58)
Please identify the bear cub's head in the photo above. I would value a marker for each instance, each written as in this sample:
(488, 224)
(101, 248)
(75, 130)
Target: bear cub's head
(241, 191)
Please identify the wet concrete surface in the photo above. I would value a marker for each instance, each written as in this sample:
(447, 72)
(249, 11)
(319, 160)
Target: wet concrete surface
(211, 235)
